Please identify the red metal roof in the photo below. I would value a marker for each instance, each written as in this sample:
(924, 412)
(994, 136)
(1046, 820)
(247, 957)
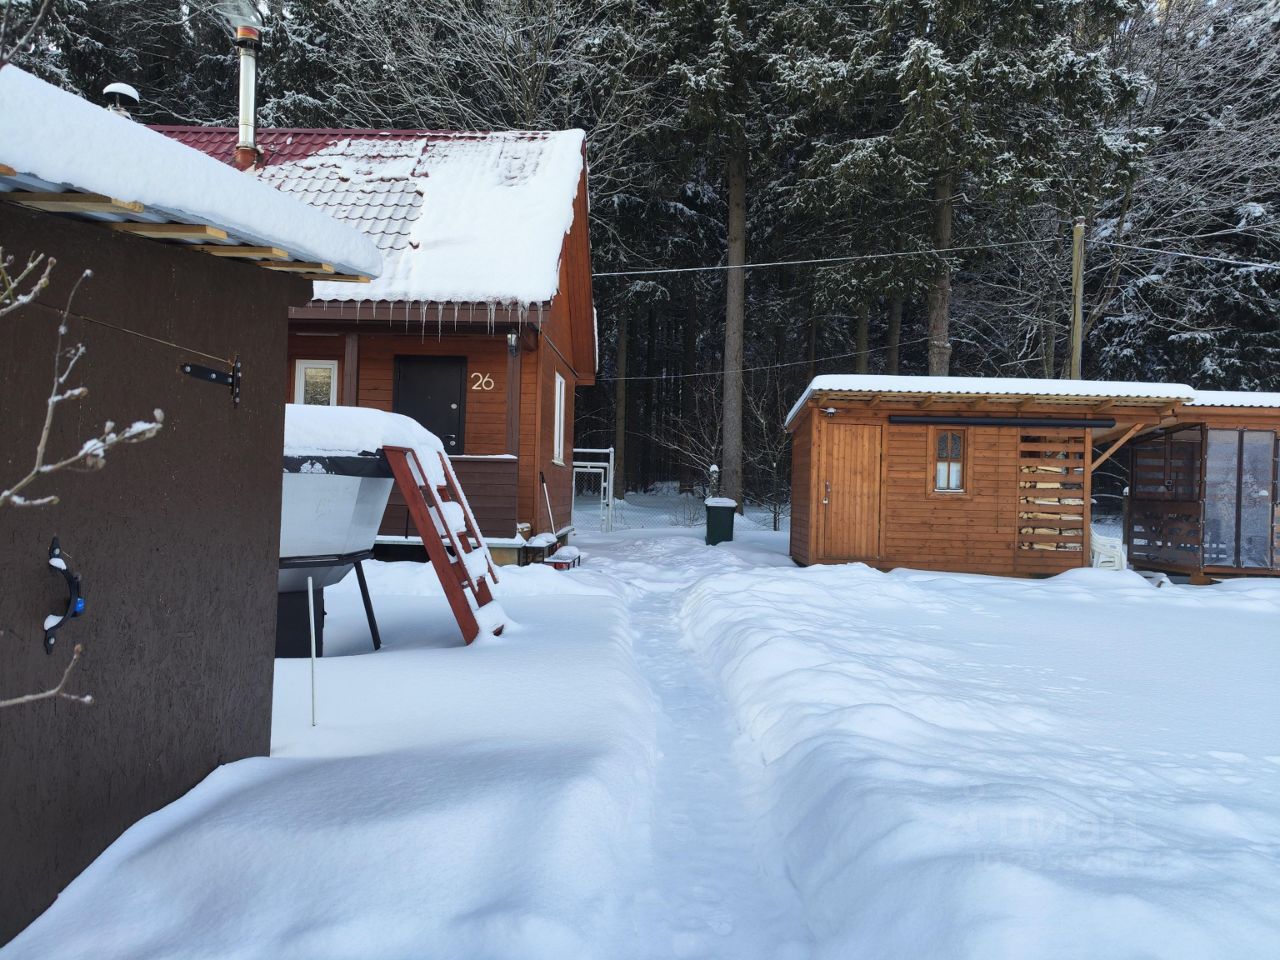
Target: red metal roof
(502, 206)
(285, 144)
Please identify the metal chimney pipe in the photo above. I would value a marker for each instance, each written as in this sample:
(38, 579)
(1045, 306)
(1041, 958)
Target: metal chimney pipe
(247, 41)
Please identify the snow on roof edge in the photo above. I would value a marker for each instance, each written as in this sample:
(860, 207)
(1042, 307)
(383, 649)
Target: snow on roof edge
(989, 387)
(503, 198)
(61, 138)
(1234, 398)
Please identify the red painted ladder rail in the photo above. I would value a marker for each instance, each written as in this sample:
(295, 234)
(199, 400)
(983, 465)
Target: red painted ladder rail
(443, 519)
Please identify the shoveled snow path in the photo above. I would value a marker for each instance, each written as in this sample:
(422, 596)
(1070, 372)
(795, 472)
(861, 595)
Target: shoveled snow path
(718, 874)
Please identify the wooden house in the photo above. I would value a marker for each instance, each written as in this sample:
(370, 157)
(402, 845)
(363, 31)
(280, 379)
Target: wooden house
(1204, 490)
(481, 326)
(958, 473)
(176, 539)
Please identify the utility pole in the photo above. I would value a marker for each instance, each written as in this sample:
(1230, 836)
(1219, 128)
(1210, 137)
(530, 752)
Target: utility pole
(1077, 296)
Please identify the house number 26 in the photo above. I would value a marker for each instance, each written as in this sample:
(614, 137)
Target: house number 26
(481, 381)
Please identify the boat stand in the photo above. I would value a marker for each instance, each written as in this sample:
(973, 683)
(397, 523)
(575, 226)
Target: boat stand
(341, 560)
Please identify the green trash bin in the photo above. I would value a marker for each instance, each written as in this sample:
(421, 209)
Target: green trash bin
(720, 511)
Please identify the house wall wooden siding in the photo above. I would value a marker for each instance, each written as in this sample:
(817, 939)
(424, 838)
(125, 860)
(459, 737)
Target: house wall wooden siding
(491, 487)
(485, 413)
(802, 489)
(488, 430)
(177, 541)
(1024, 509)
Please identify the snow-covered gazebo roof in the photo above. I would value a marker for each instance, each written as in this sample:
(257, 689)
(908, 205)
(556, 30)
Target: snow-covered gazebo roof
(1066, 392)
(62, 154)
(1235, 398)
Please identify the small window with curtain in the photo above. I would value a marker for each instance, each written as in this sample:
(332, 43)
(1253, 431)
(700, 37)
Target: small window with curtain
(315, 382)
(949, 461)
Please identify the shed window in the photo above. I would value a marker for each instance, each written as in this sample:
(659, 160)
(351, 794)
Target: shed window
(315, 382)
(949, 466)
(557, 447)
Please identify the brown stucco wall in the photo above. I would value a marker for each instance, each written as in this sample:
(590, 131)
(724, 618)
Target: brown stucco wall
(176, 540)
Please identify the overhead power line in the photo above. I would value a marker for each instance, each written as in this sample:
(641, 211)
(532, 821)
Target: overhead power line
(1191, 256)
(767, 366)
(818, 261)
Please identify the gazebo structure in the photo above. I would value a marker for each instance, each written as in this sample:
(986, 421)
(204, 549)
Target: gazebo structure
(1204, 491)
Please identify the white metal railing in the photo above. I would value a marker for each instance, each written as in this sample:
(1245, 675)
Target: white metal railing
(597, 462)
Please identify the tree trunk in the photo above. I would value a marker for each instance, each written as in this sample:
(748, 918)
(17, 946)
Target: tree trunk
(734, 312)
(650, 423)
(940, 286)
(813, 338)
(862, 334)
(620, 413)
(1048, 349)
(894, 334)
(689, 385)
(813, 347)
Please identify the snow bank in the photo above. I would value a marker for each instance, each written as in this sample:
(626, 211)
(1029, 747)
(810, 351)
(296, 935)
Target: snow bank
(459, 217)
(62, 139)
(967, 767)
(481, 802)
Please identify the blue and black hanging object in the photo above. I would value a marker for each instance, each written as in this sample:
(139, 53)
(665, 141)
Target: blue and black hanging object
(75, 603)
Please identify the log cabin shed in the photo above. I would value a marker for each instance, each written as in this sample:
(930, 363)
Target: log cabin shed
(958, 473)
(176, 539)
(1204, 490)
(483, 323)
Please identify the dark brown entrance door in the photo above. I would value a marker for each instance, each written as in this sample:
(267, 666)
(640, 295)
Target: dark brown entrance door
(432, 390)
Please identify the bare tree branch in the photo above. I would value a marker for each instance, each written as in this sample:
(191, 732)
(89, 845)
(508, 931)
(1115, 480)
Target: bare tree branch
(58, 692)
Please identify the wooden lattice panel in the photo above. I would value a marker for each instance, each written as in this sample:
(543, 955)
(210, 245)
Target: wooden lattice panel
(1053, 495)
(1165, 533)
(1166, 467)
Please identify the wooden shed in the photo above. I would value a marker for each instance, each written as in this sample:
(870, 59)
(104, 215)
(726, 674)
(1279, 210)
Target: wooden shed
(1204, 491)
(958, 473)
(176, 540)
(481, 326)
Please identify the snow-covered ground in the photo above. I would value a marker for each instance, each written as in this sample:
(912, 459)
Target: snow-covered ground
(683, 751)
(662, 508)
(966, 766)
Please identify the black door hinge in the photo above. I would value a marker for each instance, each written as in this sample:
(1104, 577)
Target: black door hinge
(227, 378)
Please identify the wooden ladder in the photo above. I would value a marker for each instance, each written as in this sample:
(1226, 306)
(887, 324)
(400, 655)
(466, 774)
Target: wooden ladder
(467, 573)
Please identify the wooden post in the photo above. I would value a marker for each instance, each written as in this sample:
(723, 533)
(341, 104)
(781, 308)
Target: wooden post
(311, 619)
(351, 370)
(1077, 296)
(619, 414)
(513, 399)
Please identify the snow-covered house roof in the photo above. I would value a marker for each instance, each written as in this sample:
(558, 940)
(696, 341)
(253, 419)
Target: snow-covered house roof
(460, 217)
(113, 169)
(1070, 392)
(1234, 398)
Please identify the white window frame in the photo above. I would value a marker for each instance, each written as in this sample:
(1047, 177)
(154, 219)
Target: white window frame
(299, 379)
(950, 469)
(557, 436)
